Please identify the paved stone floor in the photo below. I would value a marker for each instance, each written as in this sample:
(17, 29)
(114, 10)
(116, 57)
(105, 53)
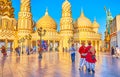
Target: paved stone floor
(55, 64)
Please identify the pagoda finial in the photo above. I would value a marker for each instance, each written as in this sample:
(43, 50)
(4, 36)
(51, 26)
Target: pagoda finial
(94, 18)
(82, 13)
(46, 13)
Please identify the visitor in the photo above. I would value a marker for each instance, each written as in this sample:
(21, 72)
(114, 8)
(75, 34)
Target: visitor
(40, 52)
(3, 50)
(72, 51)
(17, 49)
(34, 49)
(90, 58)
(83, 54)
(28, 51)
(112, 51)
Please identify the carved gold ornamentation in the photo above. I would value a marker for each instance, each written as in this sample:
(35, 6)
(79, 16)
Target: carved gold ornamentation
(6, 8)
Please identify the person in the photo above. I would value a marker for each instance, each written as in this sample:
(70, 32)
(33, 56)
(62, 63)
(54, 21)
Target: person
(112, 51)
(90, 58)
(3, 50)
(117, 51)
(83, 54)
(34, 49)
(31, 50)
(17, 49)
(72, 50)
(28, 50)
(40, 52)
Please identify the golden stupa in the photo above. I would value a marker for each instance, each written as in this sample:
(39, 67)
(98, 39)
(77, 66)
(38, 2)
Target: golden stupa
(14, 33)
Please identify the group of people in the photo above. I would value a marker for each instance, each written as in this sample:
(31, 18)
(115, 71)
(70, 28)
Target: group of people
(87, 55)
(18, 51)
(115, 51)
(28, 50)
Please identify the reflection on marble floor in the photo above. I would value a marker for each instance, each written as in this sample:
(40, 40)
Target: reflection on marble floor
(54, 64)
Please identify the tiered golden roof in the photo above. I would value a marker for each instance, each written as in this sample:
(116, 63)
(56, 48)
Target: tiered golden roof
(46, 21)
(65, 4)
(6, 8)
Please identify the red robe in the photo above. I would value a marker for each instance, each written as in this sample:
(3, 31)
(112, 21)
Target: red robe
(82, 51)
(4, 51)
(89, 55)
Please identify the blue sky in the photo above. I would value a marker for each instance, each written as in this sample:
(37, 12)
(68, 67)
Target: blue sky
(92, 9)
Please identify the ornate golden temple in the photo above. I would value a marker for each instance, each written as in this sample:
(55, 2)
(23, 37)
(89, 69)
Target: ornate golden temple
(12, 30)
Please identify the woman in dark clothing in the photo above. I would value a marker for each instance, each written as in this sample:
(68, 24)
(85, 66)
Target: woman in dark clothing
(113, 51)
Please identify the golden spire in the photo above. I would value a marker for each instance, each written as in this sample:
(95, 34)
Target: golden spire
(95, 24)
(94, 18)
(82, 13)
(46, 13)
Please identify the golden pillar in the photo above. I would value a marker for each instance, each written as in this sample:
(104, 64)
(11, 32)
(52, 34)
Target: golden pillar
(98, 48)
(61, 47)
(92, 43)
(80, 41)
(96, 45)
(36, 45)
(85, 42)
(21, 50)
(15, 44)
(54, 45)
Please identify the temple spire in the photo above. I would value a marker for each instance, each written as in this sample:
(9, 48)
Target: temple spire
(94, 18)
(46, 13)
(82, 13)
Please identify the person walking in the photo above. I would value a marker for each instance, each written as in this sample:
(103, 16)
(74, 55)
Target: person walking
(72, 51)
(83, 54)
(112, 51)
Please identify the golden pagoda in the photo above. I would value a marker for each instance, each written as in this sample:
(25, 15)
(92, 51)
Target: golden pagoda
(8, 24)
(21, 33)
(51, 36)
(85, 30)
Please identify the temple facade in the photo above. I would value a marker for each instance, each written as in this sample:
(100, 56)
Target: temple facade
(21, 32)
